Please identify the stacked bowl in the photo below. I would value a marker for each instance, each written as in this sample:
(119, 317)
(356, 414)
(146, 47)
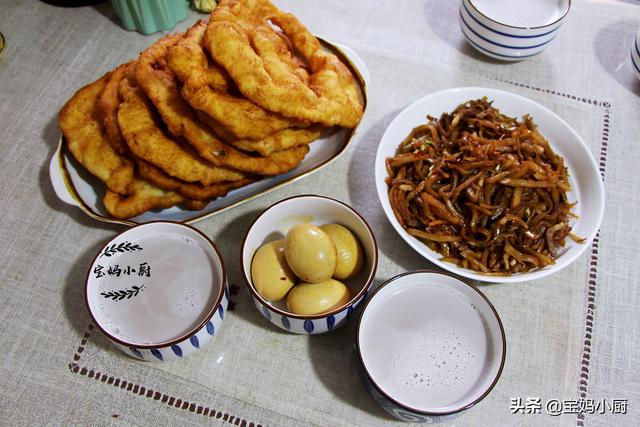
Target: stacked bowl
(511, 30)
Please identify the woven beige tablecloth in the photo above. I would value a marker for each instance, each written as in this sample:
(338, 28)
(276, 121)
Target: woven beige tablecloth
(574, 335)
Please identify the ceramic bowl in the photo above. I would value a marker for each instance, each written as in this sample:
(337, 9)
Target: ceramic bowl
(511, 30)
(158, 291)
(429, 346)
(274, 223)
(584, 176)
(635, 55)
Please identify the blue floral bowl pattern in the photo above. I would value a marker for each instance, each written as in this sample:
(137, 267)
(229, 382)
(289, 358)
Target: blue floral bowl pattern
(158, 291)
(307, 324)
(273, 224)
(188, 345)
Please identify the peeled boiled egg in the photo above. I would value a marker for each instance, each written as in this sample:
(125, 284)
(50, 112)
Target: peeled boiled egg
(348, 251)
(317, 298)
(270, 273)
(310, 253)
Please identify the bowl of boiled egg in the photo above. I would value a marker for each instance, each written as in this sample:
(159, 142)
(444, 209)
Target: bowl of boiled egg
(308, 262)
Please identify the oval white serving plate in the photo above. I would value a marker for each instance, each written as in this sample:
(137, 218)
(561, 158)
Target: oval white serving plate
(588, 189)
(75, 186)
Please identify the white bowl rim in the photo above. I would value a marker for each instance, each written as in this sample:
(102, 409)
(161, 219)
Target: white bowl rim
(372, 274)
(432, 256)
(482, 295)
(535, 27)
(192, 330)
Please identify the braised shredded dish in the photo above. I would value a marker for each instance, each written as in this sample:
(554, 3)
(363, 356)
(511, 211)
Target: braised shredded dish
(484, 190)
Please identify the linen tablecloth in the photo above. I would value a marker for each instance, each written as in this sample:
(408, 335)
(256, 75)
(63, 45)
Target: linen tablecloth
(572, 336)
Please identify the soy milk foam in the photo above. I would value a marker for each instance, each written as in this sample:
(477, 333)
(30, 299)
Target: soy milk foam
(177, 290)
(431, 348)
(529, 13)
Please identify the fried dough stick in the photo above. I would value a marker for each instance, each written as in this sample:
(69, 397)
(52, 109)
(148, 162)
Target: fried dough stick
(192, 190)
(236, 120)
(146, 139)
(241, 39)
(88, 143)
(160, 86)
(239, 116)
(143, 196)
(84, 136)
(107, 107)
(484, 190)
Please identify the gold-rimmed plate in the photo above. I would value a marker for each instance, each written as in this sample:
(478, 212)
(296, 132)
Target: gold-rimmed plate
(75, 186)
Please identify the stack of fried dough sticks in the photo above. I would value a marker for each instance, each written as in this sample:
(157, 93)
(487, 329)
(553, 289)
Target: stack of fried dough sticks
(231, 100)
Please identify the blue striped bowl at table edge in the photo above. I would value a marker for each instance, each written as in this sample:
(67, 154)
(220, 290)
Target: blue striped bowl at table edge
(503, 42)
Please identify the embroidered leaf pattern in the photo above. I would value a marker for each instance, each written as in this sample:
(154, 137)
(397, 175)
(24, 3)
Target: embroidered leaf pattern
(123, 293)
(121, 247)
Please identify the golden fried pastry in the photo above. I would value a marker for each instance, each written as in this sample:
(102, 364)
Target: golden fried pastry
(206, 89)
(236, 120)
(240, 38)
(158, 82)
(188, 60)
(142, 197)
(278, 141)
(85, 139)
(239, 116)
(126, 195)
(282, 140)
(107, 107)
(194, 205)
(194, 191)
(207, 111)
(146, 139)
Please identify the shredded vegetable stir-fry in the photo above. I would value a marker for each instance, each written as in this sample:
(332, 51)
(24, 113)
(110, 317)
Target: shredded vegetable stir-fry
(484, 190)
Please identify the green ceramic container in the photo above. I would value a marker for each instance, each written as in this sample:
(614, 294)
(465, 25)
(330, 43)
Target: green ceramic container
(150, 16)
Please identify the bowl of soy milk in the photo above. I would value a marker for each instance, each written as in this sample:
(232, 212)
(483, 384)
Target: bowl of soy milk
(429, 346)
(158, 291)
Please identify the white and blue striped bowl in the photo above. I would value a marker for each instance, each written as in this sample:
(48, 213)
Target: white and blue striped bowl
(274, 223)
(205, 327)
(511, 40)
(635, 55)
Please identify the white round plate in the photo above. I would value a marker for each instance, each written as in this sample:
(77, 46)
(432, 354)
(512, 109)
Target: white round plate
(588, 189)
